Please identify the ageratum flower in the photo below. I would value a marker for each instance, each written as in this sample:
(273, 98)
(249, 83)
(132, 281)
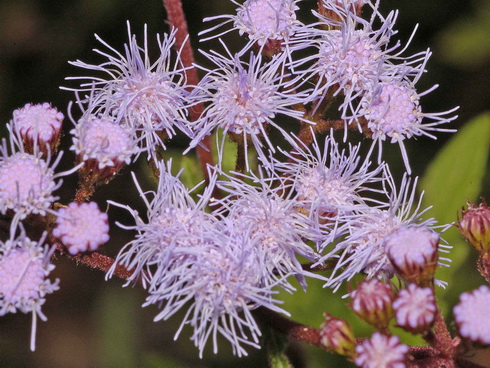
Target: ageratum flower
(270, 215)
(174, 220)
(220, 287)
(27, 181)
(24, 268)
(149, 97)
(242, 100)
(471, 315)
(392, 111)
(350, 55)
(331, 183)
(415, 308)
(363, 249)
(269, 23)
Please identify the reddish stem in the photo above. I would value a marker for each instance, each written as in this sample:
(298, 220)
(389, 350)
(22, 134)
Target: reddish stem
(176, 17)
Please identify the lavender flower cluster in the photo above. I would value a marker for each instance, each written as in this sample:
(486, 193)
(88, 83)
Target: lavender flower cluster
(224, 248)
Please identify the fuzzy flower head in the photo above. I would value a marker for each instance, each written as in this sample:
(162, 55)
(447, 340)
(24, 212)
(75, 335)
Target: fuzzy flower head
(363, 250)
(271, 218)
(244, 98)
(268, 23)
(27, 182)
(38, 125)
(415, 308)
(174, 220)
(223, 286)
(24, 267)
(381, 351)
(148, 97)
(103, 145)
(392, 111)
(81, 227)
(471, 315)
(330, 181)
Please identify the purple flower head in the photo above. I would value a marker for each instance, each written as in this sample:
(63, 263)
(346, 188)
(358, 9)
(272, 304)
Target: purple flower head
(381, 351)
(24, 267)
(270, 216)
(331, 183)
(151, 98)
(81, 227)
(392, 111)
(221, 287)
(27, 181)
(471, 315)
(174, 220)
(415, 308)
(363, 249)
(266, 22)
(372, 301)
(38, 125)
(243, 99)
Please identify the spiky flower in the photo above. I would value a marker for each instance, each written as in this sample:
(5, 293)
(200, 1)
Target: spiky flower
(392, 111)
(27, 181)
(38, 125)
(174, 220)
(81, 227)
(381, 351)
(363, 249)
(24, 268)
(471, 315)
(270, 216)
(331, 182)
(269, 23)
(243, 99)
(150, 97)
(221, 288)
(415, 308)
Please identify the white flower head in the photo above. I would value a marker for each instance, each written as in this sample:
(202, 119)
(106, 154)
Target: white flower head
(150, 97)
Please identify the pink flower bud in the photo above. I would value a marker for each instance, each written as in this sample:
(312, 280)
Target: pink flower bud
(475, 226)
(337, 336)
(372, 302)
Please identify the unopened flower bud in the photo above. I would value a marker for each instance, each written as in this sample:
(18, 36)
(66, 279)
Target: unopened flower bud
(337, 336)
(372, 301)
(475, 226)
(338, 10)
(38, 126)
(415, 308)
(412, 251)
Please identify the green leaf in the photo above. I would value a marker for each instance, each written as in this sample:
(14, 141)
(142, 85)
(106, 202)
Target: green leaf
(192, 174)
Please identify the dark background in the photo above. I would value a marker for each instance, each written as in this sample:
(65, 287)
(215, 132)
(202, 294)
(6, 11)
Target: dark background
(93, 323)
